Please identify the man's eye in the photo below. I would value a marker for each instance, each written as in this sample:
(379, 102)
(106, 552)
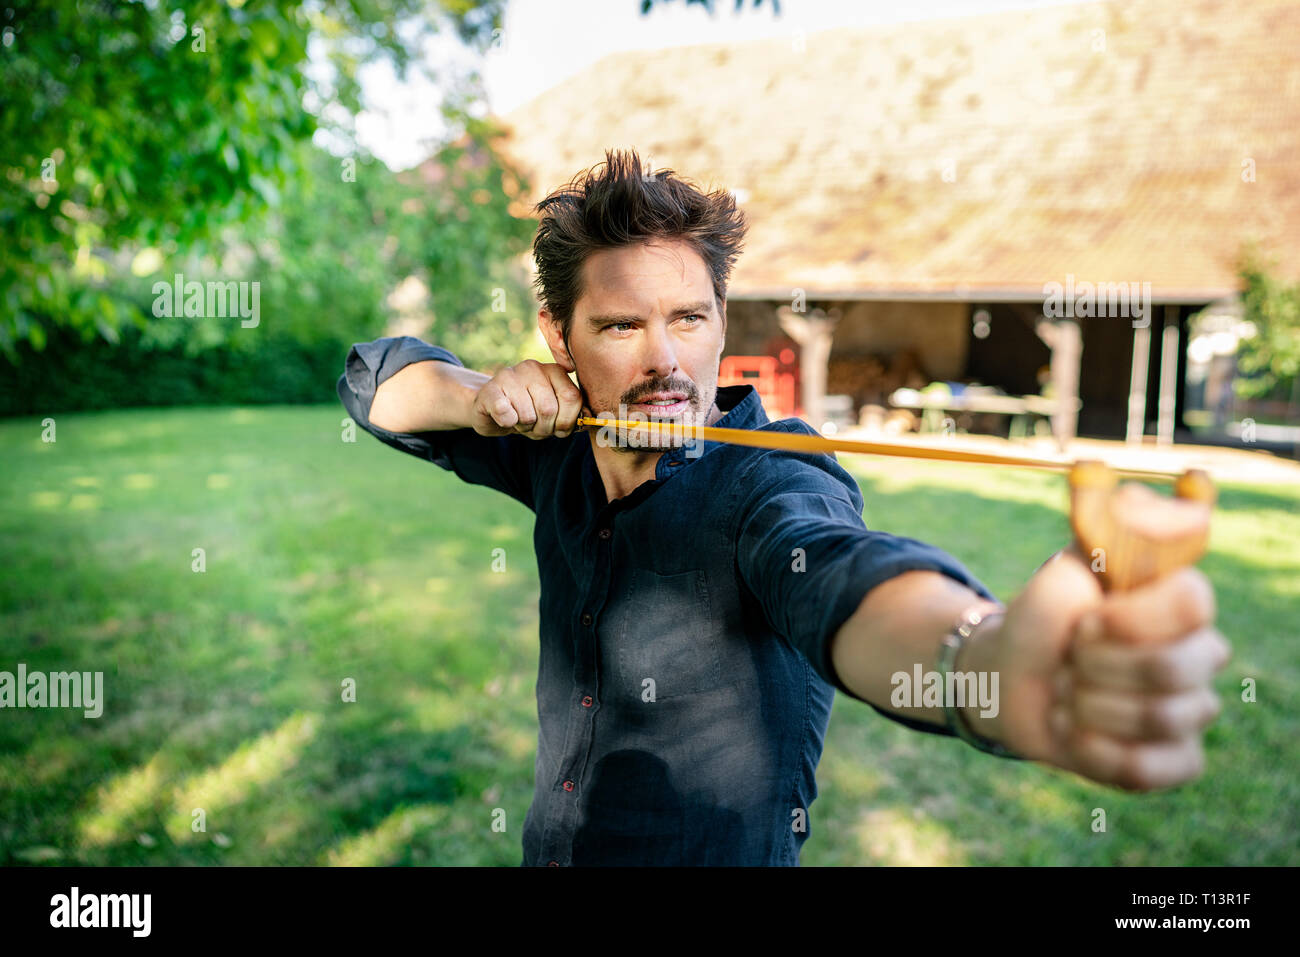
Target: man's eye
(698, 318)
(615, 325)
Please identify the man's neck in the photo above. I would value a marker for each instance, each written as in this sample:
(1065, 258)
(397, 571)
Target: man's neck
(622, 471)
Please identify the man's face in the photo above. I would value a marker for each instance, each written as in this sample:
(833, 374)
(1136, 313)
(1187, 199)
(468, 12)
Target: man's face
(646, 338)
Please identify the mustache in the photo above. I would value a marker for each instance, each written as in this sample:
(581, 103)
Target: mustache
(685, 388)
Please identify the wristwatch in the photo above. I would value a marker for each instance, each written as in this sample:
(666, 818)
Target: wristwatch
(965, 626)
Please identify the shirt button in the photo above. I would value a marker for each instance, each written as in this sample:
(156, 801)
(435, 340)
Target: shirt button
(586, 619)
(552, 863)
(568, 785)
(586, 701)
(604, 534)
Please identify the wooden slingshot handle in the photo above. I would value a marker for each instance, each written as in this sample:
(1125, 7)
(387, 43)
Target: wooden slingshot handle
(1131, 535)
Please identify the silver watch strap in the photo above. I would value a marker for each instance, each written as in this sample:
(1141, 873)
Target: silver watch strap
(966, 624)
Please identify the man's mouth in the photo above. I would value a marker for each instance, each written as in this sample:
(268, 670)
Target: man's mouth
(664, 403)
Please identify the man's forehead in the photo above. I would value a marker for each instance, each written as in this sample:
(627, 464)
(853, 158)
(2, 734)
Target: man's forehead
(634, 279)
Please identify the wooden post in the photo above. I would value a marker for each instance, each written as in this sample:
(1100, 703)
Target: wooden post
(1137, 389)
(1065, 340)
(1168, 378)
(813, 332)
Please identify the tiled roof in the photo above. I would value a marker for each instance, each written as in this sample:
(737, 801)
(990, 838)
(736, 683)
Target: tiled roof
(1113, 156)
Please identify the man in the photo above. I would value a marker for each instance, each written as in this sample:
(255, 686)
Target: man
(700, 602)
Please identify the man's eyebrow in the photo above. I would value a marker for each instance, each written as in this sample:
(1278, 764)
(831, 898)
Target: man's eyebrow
(702, 307)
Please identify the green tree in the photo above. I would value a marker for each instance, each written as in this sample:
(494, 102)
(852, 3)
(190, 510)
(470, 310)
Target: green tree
(1270, 359)
(129, 126)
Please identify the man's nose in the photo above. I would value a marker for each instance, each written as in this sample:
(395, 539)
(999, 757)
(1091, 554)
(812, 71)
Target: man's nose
(660, 358)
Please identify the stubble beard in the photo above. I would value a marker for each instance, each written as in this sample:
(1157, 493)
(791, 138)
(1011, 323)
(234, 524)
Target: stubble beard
(641, 441)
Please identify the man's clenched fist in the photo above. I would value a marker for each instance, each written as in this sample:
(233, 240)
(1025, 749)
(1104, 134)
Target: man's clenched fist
(532, 398)
(1116, 686)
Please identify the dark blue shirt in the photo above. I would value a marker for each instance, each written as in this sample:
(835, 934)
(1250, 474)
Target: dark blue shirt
(684, 682)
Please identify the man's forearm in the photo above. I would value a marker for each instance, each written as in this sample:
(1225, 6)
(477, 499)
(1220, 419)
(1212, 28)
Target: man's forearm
(900, 624)
(428, 396)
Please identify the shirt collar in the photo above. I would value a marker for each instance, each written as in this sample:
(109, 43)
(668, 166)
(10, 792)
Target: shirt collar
(741, 409)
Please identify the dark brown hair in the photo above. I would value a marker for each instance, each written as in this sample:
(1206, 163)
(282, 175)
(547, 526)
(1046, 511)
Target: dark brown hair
(622, 205)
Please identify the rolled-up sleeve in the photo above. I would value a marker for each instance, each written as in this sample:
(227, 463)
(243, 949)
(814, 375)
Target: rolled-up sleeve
(505, 463)
(805, 553)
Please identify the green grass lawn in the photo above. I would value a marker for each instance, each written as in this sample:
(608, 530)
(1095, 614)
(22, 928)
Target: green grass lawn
(224, 689)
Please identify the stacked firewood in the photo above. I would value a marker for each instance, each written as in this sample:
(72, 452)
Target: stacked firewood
(871, 379)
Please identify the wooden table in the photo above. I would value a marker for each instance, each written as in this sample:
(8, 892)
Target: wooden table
(1022, 408)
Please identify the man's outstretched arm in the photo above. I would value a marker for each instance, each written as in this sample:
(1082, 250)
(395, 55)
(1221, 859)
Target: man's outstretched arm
(1115, 687)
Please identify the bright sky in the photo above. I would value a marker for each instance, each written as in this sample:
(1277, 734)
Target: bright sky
(545, 41)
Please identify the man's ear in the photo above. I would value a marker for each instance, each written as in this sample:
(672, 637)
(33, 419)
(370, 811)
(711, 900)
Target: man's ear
(723, 311)
(550, 330)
